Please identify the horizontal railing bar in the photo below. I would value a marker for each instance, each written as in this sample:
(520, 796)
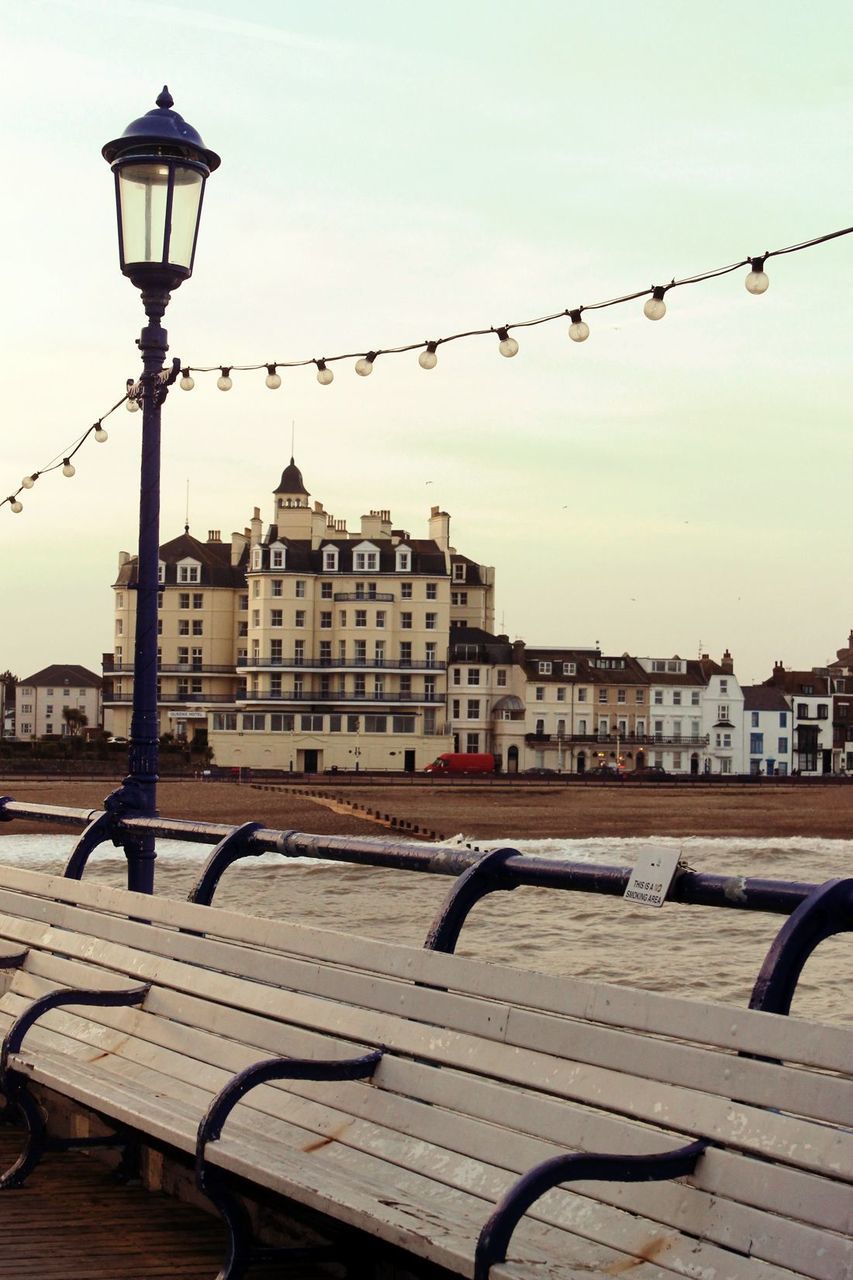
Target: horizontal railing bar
(780, 897)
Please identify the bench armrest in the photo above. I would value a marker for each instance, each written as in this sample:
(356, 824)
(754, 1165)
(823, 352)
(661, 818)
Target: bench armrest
(497, 1233)
(55, 999)
(210, 1127)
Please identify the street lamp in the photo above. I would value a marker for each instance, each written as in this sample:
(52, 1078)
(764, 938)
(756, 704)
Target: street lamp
(161, 166)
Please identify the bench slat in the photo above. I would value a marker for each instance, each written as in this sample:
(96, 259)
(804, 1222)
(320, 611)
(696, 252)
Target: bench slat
(728, 1027)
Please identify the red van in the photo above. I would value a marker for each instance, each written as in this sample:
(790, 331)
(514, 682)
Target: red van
(456, 763)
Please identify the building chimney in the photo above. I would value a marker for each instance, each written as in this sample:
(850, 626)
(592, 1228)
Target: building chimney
(123, 557)
(238, 546)
(439, 528)
(727, 663)
(214, 535)
(778, 672)
(257, 527)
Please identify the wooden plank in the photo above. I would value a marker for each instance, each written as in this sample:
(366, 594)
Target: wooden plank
(672, 1107)
(745, 1030)
(741, 1079)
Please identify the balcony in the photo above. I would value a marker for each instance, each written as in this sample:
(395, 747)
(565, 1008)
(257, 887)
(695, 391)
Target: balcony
(301, 663)
(620, 739)
(382, 596)
(337, 696)
(170, 699)
(176, 668)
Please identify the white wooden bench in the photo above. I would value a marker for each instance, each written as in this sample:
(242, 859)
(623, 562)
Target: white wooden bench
(485, 1072)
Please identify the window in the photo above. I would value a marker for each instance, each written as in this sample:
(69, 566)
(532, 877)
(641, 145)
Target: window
(676, 760)
(300, 588)
(431, 621)
(754, 720)
(198, 599)
(299, 651)
(459, 597)
(379, 653)
(326, 620)
(561, 727)
(361, 617)
(365, 561)
(640, 695)
(189, 572)
(196, 659)
(276, 586)
(676, 697)
(242, 628)
(458, 572)
(822, 711)
(725, 766)
(342, 618)
(724, 686)
(694, 698)
(276, 557)
(540, 727)
(472, 742)
(561, 694)
(380, 618)
(500, 679)
(299, 618)
(195, 685)
(311, 724)
(403, 724)
(276, 651)
(783, 746)
(569, 668)
(456, 708)
(183, 656)
(621, 695)
(160, 599)
(544, 668)
(723, 711)
(161, 572)
(473, 675)
(582, 727)
(198, 627)
(802, 711)
(540, 693)
(783, 719)
(256, 617)
(183, 626)
(658, 698)
(582, 695)
(473, 709)
(405, 590)
(256, 589)
(406, 621)
(404, 560)
(375, 724)
(432, 591)
(405, 652)
(254, 723)
(244, 601)
(224, 721)
(808, 688)
(183, 599)
(330, 560)
(281, 722)
(430, 651)
(602, 695)
(727, 739)
(119, 627)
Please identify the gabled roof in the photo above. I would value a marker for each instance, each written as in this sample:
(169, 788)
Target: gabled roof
(798, 682)
(427, 556)
(214, 558)
(64, 673)
(758, 697)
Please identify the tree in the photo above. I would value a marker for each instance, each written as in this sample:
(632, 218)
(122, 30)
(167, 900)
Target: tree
(75, 719)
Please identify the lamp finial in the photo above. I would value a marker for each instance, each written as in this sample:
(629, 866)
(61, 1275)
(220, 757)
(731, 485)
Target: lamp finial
(165, 99)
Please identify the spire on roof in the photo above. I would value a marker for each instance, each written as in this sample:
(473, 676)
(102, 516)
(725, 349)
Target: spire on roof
(291, 480)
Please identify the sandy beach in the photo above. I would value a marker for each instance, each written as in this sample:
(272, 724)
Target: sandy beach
(485, 811)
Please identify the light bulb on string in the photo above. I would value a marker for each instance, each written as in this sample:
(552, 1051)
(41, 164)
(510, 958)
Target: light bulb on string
(100, 434)
(224, 382)
(578, 329)
(15, 505)
(757, 281)
(428, 359)
(68, 468)
(507, 346)
(655, 307)
(187, 380)
(324, 375)
(131, 406)
(29, 481)
(364, 366)
(272, 380)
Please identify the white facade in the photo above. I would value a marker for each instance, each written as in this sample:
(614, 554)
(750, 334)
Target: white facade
(723, 722)
(767, 740)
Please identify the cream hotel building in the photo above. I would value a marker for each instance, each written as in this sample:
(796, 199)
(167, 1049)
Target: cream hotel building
(303, 645)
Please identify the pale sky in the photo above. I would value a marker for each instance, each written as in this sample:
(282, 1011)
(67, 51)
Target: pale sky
(396, 172)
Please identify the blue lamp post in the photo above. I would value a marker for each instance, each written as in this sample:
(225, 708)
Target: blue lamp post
(161, 166)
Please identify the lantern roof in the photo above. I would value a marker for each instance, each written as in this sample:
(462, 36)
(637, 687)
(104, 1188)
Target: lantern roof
(161, 127)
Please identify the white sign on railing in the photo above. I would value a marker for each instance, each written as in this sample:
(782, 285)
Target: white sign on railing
(652, 875)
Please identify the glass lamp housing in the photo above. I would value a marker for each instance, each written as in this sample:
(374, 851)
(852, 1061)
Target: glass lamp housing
(160, 165)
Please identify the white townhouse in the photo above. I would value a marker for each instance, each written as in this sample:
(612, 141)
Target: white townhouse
(811, 698)
(723, 718)
(767, 731)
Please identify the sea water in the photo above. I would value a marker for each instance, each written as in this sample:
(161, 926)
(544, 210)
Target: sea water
(702, 952)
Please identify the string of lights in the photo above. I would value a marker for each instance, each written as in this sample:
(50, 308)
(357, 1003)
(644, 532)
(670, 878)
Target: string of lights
(654, 308)
(63, 459)
(757, 282)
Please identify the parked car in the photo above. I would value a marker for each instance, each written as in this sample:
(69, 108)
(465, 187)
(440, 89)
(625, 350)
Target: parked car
(541, 773)
(651, 771)
(459, 762)
(605, 771)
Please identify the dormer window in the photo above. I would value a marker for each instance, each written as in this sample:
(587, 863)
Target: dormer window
(277, 556)
(569, 668)
(189, 571)
(330, 559)
(544, 668)
(459, 572)
(404, 560)
(161, 571)
(365, 558)
(257, 557)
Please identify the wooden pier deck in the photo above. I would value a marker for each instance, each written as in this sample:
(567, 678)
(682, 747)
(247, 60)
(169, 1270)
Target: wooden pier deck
(73, 1219)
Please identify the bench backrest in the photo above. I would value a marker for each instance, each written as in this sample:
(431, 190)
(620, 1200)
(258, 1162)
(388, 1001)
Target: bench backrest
(530, 1064)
